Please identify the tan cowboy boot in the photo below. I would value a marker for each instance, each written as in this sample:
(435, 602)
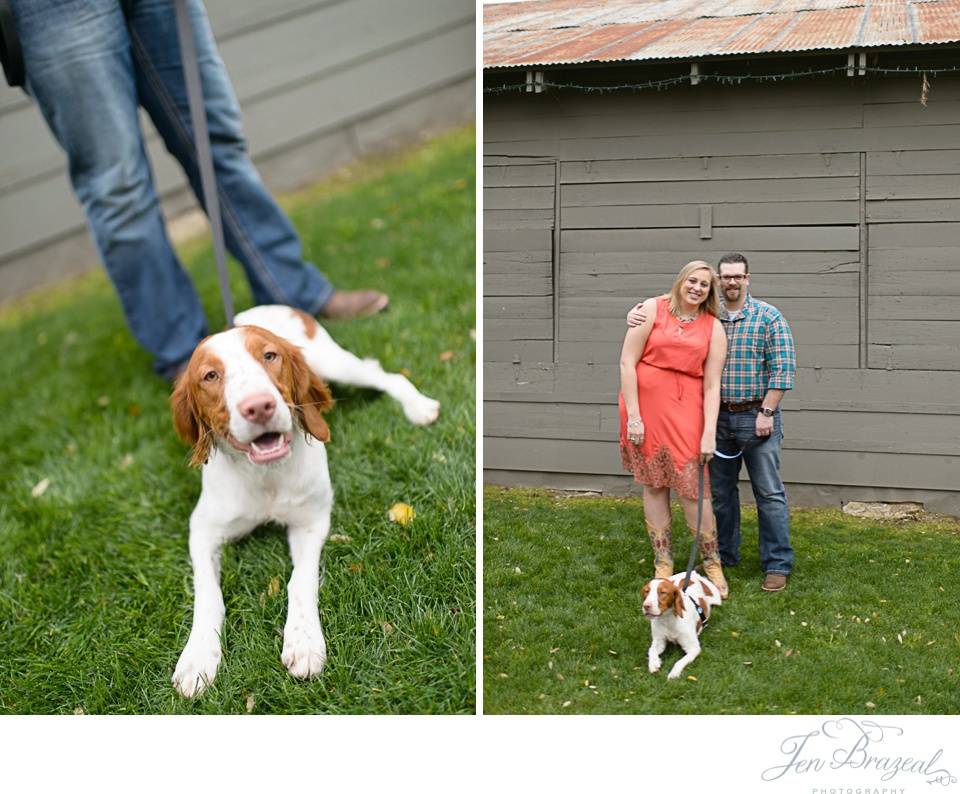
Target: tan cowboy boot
(660, 539)
(710, 555)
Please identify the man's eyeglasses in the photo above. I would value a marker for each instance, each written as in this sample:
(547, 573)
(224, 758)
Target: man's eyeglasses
(738, 277)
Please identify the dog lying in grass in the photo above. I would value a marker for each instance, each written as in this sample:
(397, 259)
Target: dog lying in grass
(677, 616)
(250, 402)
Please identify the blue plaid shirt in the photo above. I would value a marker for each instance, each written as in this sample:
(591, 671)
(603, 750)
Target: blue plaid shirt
(760, 353)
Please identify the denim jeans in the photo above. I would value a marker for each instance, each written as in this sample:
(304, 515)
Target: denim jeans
(736, 433)
(88, 69)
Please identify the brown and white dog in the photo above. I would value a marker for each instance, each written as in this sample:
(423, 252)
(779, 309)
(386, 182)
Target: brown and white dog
(250, 402)
(674, 617)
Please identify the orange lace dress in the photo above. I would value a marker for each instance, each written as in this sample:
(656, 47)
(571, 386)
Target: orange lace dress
(670, 388)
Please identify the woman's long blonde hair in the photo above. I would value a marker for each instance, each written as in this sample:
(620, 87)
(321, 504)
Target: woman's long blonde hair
(711, 304)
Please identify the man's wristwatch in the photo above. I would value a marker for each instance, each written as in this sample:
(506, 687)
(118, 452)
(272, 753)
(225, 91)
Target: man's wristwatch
(768, 411)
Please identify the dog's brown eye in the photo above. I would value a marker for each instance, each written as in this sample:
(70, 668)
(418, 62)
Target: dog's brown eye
(211, 376)
(270, 356)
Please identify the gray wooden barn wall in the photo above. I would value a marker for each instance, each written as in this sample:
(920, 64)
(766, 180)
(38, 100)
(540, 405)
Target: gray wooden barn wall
(321, 82)
(846, 200)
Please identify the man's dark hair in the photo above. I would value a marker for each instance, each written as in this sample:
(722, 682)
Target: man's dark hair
(734, 259)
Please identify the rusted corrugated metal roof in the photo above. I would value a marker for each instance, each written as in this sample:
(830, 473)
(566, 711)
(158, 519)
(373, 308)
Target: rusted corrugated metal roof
(547, 32)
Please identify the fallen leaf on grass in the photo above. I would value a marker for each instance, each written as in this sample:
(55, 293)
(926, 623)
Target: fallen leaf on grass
(402, 513)
(747, 664)
(103, 401)
(134, 410)
(517, 570)
(340, 539)
(387, 627)
(79, 711)
(554, 650)
(383, 262)
(127, 461)
(273, 588)
(566, 703)
(473, 334)
(691, 678)
(870, 705)
(250, 704)
(356, 567)
(40, 488)
(502, 675)
(446, 355)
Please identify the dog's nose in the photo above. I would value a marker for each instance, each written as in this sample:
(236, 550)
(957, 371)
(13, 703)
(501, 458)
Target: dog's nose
(257, 408)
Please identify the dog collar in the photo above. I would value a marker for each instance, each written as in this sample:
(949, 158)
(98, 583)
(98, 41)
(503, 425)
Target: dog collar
(700, 612)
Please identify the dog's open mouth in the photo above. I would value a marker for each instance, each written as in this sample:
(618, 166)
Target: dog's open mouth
(265, 448)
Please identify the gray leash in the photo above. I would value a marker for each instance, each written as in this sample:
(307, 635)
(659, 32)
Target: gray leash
(696, 539)
(201, 139)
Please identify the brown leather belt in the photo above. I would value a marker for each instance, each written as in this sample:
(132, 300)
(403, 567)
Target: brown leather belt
(736, 408)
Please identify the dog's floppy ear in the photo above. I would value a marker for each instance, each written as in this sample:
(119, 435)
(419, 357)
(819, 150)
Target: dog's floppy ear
(310, 396)
(186, 420)
(677, 601)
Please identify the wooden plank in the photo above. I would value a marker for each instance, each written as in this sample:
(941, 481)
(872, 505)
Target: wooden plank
(518, 283)
(517, 350)
(518, 175)
(709, 168)
(917, 210)
(922, 186)
(729, 144)
(756, 238)
(644, 124)
(840, 328)
(910, 259)
(772, 213)
(607, 351)
(915, 282)
(907, 235)
(829, 431)
(506, 198)
(775, 286)
(522, 308)
(518, 219)
(868, 391)
(909, 307)
(910, 114)
(912, 357)
(884, 331)
(520, 418)
(816, 388)
(526, 240)
(744, 98)
(903, 163)
(511, 329)
(668, 263)
(840, 467)
(718, 191)
(507, 262)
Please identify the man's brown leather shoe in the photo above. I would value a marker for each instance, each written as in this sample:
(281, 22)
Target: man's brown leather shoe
(774, 582)
(344, 304)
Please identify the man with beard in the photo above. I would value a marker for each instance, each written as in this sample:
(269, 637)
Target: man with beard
(760, 367)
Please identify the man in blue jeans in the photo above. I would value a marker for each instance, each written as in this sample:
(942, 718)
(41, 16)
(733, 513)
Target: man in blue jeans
(89, 65)
(760, 367)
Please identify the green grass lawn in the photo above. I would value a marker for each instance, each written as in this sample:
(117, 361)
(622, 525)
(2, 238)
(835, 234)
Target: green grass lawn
(95, 583)
(867, 624)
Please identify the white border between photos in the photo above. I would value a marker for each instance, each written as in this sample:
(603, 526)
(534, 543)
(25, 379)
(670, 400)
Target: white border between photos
(767, 755)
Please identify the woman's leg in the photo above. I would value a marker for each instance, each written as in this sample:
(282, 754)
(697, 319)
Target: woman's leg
(656, 511)
(709, 550)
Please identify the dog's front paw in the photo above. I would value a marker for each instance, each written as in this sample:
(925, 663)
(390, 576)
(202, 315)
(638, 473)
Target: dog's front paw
(421, 410)
(654, 666)
(304, 650)
(674, 674)
(197, 666)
